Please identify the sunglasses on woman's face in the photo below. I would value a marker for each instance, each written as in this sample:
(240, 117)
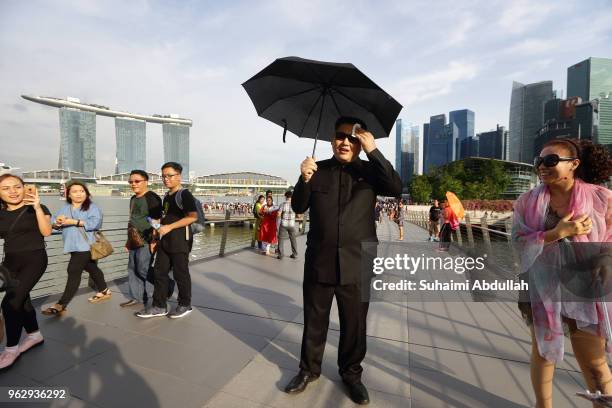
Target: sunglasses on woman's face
(340, 136)
(550, 160)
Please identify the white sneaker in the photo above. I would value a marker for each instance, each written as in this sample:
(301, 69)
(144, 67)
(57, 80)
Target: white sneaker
(7, 358)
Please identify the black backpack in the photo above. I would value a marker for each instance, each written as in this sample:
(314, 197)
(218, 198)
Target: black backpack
(197, 226)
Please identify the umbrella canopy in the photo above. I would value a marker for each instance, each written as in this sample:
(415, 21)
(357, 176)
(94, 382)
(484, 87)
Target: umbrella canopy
(455, 204)
(306, 97)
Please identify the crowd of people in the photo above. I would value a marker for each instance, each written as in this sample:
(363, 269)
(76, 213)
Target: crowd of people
(160, 238)
(570, 205)
(274, 224)
(240, 209)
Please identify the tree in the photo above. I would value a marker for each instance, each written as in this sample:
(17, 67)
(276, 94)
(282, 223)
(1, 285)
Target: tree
(420, 189)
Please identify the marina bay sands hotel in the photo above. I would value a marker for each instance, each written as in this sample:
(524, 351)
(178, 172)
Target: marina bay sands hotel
(78, 136)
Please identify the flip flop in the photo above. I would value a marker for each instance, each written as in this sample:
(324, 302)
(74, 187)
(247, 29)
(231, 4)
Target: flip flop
(95, 298)
(54, 310)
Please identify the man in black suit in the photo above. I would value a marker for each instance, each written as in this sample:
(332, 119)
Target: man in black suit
(341, 193)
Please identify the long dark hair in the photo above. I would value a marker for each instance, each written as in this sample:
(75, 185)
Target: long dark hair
(4, 177)
(595, 163)
(85, 205)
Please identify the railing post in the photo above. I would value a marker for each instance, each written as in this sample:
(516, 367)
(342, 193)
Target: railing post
(458, 233)
(253, 234)
(224, 236)
(515, 258)
(485, 233)
(470, 233)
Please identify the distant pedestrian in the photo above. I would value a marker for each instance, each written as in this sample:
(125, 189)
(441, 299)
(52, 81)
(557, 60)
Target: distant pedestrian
(258, 218)
(287, 227)
(267, 231)
(434, 221)
(401, 213)
(450, 224)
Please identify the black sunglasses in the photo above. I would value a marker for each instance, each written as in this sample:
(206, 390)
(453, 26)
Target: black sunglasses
(351, 138)
(550, 160)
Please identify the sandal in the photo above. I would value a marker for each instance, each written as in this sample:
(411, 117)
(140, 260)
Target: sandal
(98, 297)
(54, 310)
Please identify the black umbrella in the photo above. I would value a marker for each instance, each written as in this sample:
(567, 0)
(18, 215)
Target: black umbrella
(306, 97)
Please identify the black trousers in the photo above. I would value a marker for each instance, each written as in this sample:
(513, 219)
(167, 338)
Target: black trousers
(79, 262)
(445, 236)
(27, 267)
(179, 263)
(318, 299)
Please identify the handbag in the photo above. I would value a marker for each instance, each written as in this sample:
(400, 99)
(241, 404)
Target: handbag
(101, 248)
(134, 239)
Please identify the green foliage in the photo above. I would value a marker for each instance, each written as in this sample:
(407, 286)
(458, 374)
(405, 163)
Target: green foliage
(420, 189)
(487, 183)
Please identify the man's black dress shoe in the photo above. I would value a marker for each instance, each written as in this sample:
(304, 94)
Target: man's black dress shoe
(299, 382)
(358, 393)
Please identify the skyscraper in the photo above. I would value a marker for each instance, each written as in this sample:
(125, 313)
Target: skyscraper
(131, 144)
(526, 117)
(415, 148)
(77, 141)
(592, 79)
(492, 143)
(407, 150)
(176, 145)
(441, 146)
(398, 146)
(434, 130)
(425, 142)
(464, 119)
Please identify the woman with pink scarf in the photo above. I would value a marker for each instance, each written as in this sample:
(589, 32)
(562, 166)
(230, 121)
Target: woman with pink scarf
(567, 210)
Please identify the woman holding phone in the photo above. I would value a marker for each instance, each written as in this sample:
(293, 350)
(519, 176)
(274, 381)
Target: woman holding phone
(563, 221)
(78, 220)
(24, 223)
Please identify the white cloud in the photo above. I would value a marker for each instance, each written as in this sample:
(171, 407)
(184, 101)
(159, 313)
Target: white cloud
(419, 88)
(532, 46)
(520, 16)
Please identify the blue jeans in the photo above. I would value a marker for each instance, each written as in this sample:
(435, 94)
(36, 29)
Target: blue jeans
(138, 267)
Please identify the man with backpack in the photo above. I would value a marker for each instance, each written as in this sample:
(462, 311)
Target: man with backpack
(180, 213)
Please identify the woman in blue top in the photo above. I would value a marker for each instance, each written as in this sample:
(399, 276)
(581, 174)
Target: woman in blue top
(78, 220)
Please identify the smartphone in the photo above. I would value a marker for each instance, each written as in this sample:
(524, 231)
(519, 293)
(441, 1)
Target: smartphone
(30, 189)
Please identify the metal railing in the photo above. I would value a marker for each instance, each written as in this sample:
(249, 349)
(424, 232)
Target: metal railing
(207, 244)
(486, 234)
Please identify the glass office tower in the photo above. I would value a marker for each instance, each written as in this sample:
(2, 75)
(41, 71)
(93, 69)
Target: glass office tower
(176, 145)
(77, 141)
(131, 144)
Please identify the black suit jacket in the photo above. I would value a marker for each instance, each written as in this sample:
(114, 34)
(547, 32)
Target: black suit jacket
(341, 200)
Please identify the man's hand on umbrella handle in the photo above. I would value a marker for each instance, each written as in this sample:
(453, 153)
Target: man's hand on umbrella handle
(307, 168)
(366, 139)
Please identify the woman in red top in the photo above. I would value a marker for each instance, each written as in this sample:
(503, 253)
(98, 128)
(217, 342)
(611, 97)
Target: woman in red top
(451, 223)
(268, 228)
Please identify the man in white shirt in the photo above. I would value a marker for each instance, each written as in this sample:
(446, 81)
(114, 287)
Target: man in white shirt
(287, 227)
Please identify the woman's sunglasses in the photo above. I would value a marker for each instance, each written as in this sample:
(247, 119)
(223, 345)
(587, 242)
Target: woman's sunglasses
(341, 136)
(550, 160)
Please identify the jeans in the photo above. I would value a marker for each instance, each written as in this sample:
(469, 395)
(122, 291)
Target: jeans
(138, 267)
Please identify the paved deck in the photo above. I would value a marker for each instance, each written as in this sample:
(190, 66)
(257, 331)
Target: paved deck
(241, 345)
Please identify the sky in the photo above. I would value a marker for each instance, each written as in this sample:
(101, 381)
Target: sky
(191, 57)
